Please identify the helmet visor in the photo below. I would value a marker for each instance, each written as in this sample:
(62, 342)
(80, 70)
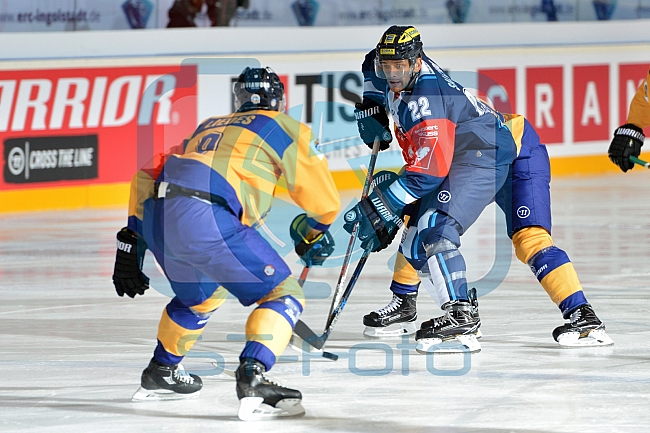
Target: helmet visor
(394, 69)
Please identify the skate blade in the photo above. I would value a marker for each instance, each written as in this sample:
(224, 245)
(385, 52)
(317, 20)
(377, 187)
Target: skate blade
(254, 409)
(459, 344)
(160, 395)
(596, 338)
(395, 330)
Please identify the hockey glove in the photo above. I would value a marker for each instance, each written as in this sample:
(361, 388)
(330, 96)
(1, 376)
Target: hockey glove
(379, 221)
(314, 252)
(627, 142)
(127, 276)
(372, 122)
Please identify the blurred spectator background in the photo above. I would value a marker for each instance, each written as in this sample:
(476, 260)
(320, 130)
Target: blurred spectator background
(66, 15)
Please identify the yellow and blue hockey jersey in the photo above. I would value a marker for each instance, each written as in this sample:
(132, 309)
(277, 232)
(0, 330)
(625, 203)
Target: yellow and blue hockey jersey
(242, 157)
(639, 113)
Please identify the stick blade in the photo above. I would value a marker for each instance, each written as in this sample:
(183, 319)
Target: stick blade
(303, 331)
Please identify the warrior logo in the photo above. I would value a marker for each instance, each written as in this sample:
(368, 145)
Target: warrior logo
(444, 196)
(523, 212)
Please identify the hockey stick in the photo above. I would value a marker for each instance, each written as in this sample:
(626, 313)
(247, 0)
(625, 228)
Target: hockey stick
(338, 302)
(641, 162)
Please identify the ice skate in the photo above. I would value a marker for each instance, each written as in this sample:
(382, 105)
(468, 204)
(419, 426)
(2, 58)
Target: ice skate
(395, 319)
(454, 332)
(260, 398)
(166, 382)
(473, 300)
(584, 329)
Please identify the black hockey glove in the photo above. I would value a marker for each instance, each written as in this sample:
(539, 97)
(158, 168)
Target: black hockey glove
(372, 122)
(379, 223)
(127, 276)
(627, 142)
(311, 253)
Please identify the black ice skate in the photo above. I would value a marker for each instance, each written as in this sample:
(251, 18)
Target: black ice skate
(460, 322)
(167, 382)
(260, 398)
(473, 300)
(584, 329)
(395, 319)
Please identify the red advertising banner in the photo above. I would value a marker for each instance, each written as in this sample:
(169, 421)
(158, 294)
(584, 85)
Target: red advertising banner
(500, 87)
(630, 77)
(591, 103)
(90, 125)
(544, 100)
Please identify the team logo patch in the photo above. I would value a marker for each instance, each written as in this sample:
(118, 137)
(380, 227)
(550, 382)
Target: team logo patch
(444, 196)
(350, 216)
(523, 212)
(269, 270)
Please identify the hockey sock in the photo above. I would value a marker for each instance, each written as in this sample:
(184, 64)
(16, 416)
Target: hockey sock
(270, 325)
(551, 266)
(447, 271)
(404, 273)
(181, 326)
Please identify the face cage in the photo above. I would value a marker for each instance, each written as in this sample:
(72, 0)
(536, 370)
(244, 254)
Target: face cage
(379, 71)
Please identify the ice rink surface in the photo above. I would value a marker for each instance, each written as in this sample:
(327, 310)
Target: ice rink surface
(72, 351)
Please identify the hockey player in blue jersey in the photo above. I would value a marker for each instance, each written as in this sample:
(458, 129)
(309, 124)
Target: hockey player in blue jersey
(525, 199)
(457, 152)
(526, 202)
(193, 208)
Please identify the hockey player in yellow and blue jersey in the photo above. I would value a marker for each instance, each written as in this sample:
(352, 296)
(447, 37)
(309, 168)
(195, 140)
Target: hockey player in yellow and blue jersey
(526, 202)
(458, 154)
(628, 138)
(193, 208)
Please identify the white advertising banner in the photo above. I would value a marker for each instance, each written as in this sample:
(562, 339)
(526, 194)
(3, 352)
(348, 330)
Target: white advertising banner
(70, 15)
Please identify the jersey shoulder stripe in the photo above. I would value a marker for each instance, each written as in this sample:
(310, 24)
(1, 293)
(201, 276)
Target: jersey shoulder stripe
(271, 132)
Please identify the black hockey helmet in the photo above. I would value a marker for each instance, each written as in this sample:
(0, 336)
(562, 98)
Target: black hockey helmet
(258, 88)
(400, 43)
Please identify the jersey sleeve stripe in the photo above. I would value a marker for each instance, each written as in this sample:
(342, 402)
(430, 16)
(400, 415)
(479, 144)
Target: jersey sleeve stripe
(401, 194)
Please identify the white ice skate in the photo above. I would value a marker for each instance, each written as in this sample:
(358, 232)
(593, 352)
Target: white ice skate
(458, 344)
(254, 409)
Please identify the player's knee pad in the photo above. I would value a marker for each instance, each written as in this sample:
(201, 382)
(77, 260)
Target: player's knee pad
(530, 241)
(286, 306)
(434, 226)
(269, 328)
(288, 287)
(205, 309)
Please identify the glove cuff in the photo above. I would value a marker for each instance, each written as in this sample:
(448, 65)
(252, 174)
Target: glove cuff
(631, 130)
